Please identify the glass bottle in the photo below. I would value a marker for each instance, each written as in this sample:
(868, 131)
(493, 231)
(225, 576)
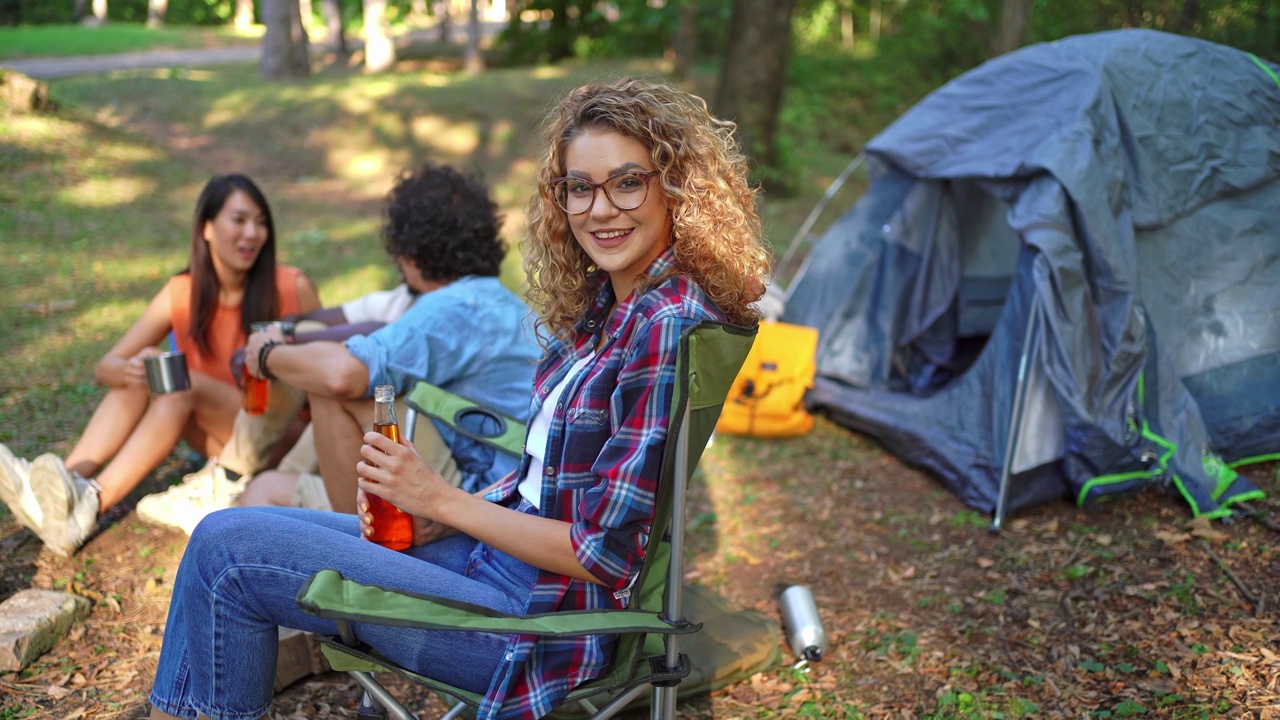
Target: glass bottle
(392, 527)
(256, 390)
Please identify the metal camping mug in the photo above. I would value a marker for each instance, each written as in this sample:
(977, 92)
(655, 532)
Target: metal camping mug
(805, 633)
(167, 373)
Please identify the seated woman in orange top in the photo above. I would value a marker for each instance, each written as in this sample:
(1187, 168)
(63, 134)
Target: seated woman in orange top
(232, 280)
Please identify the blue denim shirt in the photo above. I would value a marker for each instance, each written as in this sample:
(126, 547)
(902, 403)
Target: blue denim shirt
(472, 337)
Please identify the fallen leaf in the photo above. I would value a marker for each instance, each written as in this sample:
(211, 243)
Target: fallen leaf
(1172, 538)
(57, 692)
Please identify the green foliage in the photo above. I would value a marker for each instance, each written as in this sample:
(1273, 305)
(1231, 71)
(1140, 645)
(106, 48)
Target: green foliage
(624, 28)
(31, 12)
(572, 25)
(53, 40)
(16, 712)
(961, 705)
(179, 12)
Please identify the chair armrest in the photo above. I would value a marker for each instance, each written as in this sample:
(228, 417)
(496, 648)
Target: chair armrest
(329, 595)
(465, 417)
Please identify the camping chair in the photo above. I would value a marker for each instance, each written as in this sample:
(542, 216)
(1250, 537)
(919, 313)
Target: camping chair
(647, 653)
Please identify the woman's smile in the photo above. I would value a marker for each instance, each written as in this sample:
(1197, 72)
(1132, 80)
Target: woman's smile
(620, 242)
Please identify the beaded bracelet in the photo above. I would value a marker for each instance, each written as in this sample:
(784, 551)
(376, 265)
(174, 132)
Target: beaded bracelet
(263, 352)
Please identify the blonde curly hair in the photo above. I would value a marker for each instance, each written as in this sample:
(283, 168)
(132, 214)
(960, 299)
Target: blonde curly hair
(715, 230)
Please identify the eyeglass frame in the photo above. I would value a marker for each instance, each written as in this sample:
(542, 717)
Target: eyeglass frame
(597, 187)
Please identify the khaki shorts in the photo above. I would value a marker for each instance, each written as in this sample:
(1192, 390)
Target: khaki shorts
(310, 491)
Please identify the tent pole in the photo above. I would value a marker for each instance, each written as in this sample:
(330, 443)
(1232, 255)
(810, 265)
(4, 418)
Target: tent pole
(803, 232)
(1015, 420)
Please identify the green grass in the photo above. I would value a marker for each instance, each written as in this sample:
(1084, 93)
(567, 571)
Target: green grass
(59, 40)
(95, 199)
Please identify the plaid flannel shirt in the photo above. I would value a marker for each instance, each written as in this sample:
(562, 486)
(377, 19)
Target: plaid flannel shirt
(603, 459)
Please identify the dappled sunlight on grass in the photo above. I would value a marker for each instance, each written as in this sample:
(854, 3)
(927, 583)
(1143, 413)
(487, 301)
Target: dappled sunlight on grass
(550, 72)
(359, 281)
(445, 135)
(141, 269)
(363, 165)
(353, 103)
(435, 80)
(335, 230)
(103, 192)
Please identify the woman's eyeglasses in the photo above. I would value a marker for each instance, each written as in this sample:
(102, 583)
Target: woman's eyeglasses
(627, 191)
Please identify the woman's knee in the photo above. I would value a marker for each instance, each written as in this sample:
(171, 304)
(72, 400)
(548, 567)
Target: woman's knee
(175, 405)
(223, 527)
(271, 488)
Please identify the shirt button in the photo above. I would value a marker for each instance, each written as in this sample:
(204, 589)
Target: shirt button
(549, 470)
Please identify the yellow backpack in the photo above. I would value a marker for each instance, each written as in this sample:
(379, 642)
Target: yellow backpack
(767, 398)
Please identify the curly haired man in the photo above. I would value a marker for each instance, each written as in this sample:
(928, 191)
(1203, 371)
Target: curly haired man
(465, 332)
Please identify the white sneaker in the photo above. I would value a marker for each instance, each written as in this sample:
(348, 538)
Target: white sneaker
(68, 505)
(15, 489)
(183, 506)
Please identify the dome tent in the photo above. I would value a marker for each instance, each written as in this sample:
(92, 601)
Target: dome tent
(1064, 277)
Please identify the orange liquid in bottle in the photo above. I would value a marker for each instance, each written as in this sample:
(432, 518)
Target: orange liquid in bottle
(392, 527)
(255, 394)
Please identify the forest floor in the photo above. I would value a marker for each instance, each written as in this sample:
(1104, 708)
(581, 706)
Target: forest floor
(1129, 609)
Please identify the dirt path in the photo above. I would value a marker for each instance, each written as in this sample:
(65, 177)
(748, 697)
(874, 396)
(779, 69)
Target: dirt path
(59, 67)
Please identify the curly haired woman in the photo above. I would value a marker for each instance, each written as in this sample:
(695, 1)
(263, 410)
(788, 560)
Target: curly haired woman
(643, 225)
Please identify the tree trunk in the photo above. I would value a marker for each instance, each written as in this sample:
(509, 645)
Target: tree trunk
(99, 13)
(285, 48)
(332, 10)
(444, 20)
(155, 12)
(305, 12)
(1188, 17)
(244, 14)
(754, 73)
(1015, 19)
(846, 25)
(473, 62)
(686, 40)
(379, 50)
(77, 13)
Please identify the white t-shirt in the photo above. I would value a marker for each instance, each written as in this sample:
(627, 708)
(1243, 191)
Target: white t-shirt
(384, 306)
(536, 445)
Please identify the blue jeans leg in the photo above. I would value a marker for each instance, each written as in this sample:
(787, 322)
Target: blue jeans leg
(237, 582)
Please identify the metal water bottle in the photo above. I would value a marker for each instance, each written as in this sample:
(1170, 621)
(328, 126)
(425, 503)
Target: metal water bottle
(801, 623)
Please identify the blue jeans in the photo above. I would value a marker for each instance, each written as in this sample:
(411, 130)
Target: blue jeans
(242, 570)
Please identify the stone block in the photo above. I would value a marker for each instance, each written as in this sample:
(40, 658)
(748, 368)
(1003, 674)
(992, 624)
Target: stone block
(298, 657)
(33, 621)
(21, 93)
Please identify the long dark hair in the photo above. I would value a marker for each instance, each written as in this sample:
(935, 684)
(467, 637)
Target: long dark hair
(259, 301)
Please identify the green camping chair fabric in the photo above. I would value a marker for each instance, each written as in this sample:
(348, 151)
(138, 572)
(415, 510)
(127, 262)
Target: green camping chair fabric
(648, 650)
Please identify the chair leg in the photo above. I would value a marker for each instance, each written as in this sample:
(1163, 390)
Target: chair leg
(369, 710)
(664, 703)
(379, 697)
(616, 705)
(455, 711)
